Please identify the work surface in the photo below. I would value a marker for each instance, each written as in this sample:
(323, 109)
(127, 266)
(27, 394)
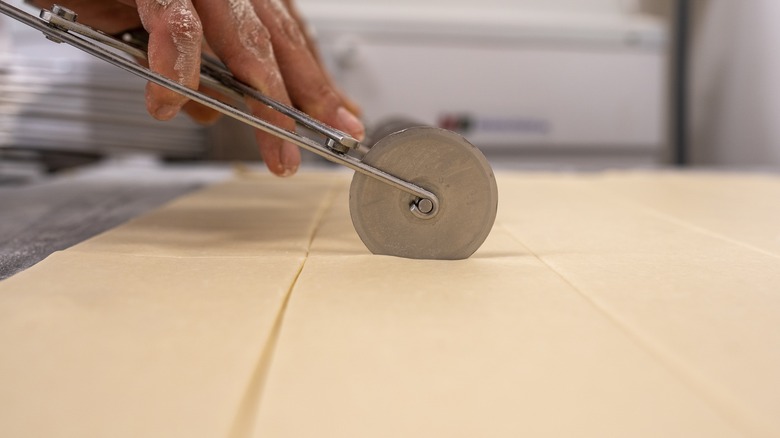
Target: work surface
(614, 304)
(50, 214)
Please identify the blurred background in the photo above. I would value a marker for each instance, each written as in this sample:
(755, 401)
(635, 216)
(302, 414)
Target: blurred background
(562, 84)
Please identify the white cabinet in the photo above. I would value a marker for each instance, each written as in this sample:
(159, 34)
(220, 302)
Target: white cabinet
(507, 78)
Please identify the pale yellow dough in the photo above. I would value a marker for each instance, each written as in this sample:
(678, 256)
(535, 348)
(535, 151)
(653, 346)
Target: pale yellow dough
(619, 304)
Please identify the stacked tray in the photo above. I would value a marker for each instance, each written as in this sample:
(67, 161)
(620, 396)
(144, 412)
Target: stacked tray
(54, 98)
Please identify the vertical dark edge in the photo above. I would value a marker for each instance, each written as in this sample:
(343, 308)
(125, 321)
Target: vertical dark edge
(680, 83)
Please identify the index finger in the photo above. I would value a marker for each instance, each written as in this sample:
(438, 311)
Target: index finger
(175, 34)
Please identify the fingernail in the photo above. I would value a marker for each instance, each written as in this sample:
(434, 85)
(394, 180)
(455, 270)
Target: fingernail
(166, 112)
(349, 123)
(290, 157)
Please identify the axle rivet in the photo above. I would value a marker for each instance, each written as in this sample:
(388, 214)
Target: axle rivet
(425, 206)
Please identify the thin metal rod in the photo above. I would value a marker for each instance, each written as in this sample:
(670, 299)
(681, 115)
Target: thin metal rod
(229, 110)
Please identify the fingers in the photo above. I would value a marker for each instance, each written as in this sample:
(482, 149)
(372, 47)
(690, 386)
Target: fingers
(175, 34)
(261, 41)
(243, 43)
(307, 84)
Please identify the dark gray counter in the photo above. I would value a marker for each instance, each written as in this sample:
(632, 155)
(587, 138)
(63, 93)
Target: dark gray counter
(39, 218)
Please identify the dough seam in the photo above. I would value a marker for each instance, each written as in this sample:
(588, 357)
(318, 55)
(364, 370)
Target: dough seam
(245, 423)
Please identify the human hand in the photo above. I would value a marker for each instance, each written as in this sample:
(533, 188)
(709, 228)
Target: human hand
(263, 42)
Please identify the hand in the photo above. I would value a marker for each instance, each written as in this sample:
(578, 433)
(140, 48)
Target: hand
(263, 42)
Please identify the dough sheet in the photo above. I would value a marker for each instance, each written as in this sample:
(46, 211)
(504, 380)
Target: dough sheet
(615, 304)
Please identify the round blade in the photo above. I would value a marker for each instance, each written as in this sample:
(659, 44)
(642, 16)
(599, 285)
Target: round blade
(441, 162)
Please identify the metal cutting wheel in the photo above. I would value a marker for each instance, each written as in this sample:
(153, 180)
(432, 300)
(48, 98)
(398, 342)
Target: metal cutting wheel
(394, 222)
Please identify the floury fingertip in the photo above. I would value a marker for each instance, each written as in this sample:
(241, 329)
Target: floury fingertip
(349, 123)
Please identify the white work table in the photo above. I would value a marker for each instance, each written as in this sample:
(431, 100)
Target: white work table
(641, 303)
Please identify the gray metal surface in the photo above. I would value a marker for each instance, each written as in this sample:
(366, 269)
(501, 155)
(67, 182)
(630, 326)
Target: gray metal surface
(450, 167)
(43, 217)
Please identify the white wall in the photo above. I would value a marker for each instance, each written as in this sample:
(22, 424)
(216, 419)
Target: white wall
(736, 92)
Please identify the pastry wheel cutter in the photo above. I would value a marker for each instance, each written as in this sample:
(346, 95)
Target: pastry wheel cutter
(421, 192)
